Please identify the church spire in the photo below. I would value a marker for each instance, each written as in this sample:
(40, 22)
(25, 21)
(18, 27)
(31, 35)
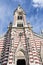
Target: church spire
(19, 16)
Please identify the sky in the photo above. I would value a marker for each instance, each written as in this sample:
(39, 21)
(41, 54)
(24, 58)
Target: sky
(33, 9)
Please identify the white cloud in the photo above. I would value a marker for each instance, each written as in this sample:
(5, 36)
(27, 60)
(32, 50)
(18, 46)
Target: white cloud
(38, 3)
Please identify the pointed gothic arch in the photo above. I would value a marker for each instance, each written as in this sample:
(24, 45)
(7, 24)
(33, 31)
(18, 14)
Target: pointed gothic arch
(21, 57)
(21, 51)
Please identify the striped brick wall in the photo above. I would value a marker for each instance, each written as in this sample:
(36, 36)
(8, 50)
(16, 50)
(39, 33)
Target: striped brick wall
(1, 46)
(10, 45)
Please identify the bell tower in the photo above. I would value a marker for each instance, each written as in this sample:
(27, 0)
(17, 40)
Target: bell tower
(19, 17)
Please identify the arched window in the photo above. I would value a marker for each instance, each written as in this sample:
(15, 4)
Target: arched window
(19, 17)
(19, 25)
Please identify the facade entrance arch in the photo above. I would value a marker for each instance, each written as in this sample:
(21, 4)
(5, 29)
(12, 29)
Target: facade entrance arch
(20, 57)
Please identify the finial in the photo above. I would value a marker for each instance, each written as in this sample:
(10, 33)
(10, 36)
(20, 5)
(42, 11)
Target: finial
(18, 4)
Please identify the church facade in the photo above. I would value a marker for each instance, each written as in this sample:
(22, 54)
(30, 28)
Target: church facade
(20, 45)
